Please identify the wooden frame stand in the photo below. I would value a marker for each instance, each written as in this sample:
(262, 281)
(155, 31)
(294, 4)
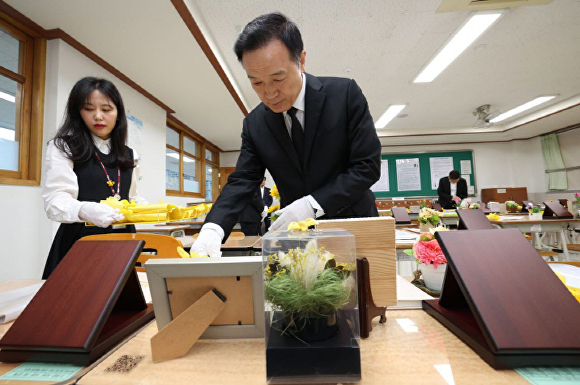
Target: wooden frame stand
(90, 303)
(367, 310)
(502, 299)
(470, 219)
(554, 210)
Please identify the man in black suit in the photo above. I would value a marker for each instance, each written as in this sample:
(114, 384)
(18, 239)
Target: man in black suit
(252, 215)
(451, 188)
(268, 200)
(315, 136)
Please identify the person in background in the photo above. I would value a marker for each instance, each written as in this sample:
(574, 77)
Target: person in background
(253, 215)
(268, 200)
(315, 135)
(451, 190)
(87, 161)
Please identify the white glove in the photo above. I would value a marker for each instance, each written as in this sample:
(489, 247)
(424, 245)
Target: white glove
(99, 214)
(296, 211)
(209, 241)
(264, 213)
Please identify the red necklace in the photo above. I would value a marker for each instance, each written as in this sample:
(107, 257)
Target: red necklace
(110, 182)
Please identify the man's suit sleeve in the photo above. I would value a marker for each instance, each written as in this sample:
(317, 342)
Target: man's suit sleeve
(268, 200)
(364, 158)
(240, 188)
(462, 188)
(442, 190)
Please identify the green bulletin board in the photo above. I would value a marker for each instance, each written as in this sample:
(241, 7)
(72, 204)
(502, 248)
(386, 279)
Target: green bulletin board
(403, 173)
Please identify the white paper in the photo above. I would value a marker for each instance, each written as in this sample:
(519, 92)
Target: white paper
(21, 292)
(465, 166)
(440, 167)
(470, 190)
(145, 286)
(383, 183)
(10, 310)
(408, 174)
(467, 178)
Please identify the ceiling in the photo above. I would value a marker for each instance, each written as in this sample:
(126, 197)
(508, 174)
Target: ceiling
(529, 51)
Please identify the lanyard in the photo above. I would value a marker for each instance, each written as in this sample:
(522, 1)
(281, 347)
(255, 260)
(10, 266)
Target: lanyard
(110, 183)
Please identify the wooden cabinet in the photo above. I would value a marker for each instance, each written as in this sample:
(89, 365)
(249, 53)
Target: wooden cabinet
(502, 194)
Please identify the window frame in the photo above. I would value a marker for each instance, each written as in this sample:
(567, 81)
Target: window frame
(200, 159)
(29, 120)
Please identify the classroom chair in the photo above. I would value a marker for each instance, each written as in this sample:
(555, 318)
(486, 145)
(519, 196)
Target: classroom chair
(163, 245)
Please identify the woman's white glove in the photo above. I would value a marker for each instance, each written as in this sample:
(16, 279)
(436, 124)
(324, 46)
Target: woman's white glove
(209, 241)
(99, 214)
(296, 211)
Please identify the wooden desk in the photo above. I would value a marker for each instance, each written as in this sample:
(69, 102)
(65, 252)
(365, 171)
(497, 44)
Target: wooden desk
(389, 355)
(558, 226)
(160, 228)
(234, 245)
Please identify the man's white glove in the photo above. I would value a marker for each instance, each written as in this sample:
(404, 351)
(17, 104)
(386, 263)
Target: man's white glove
(209, 241)
(264, 213)
(296, 211)
(99, 214)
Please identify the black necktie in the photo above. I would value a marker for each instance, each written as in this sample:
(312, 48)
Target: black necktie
(297, 135)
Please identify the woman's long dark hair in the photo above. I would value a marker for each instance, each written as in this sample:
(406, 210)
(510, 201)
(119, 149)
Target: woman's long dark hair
(76, 134)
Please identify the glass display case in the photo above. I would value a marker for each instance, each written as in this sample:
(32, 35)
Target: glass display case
(311, 306)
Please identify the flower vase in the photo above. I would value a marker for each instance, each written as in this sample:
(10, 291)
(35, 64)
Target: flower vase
(433, 277)
(424, 227)
(310, 329)
(535, 216)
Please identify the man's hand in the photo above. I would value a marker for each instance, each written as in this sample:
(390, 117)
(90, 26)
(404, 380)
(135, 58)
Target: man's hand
(264, 213)
(99, 214)
(209, 241)
(296, 211)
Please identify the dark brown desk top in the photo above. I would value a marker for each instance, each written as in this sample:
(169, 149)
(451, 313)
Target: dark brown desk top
(233, 242)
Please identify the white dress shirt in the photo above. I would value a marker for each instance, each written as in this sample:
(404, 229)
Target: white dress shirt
(299, 104)
(453, 189)
(60, 189)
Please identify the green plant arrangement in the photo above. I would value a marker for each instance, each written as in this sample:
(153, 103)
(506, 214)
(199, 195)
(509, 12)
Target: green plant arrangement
(534, 209)
(306, 284)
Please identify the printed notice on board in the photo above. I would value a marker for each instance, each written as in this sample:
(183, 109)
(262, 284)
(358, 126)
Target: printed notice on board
(465, 166)
(440, 167)
(383, 183)
(408, 174)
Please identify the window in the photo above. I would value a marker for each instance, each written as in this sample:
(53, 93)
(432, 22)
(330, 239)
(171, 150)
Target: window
(22, 57)
(191, 164)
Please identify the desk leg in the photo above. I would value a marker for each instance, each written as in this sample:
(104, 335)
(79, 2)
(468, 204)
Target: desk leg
(564, 244)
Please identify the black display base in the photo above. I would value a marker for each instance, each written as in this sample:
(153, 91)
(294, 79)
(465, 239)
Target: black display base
(336, 359)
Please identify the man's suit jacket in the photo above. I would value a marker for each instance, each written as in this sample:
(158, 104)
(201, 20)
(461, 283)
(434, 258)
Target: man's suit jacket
(341, 157)
(253, 211)
(444, 192)
(267, 198)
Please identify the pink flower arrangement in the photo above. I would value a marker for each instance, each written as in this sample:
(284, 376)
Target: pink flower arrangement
(577, 195)
(428, 251)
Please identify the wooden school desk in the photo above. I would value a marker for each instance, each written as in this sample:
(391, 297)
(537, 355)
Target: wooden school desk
(234, 244)
(525, 225)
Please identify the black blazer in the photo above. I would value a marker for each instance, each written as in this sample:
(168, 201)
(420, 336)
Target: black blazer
(341, 157)
(253, 211)
(267, 198)
(444, 192)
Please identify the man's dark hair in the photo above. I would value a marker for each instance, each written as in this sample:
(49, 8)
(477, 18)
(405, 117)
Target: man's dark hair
(263, 29)
(454, 175)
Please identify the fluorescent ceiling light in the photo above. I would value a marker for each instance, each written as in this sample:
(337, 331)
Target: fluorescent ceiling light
(8, 134)
(536, 102)
(5, 96)
(389, 114)
(462, 39)
(176, 156)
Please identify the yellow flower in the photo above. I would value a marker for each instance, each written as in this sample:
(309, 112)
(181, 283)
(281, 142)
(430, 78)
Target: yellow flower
(302, 225)
(273, 208)
(274, 192)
